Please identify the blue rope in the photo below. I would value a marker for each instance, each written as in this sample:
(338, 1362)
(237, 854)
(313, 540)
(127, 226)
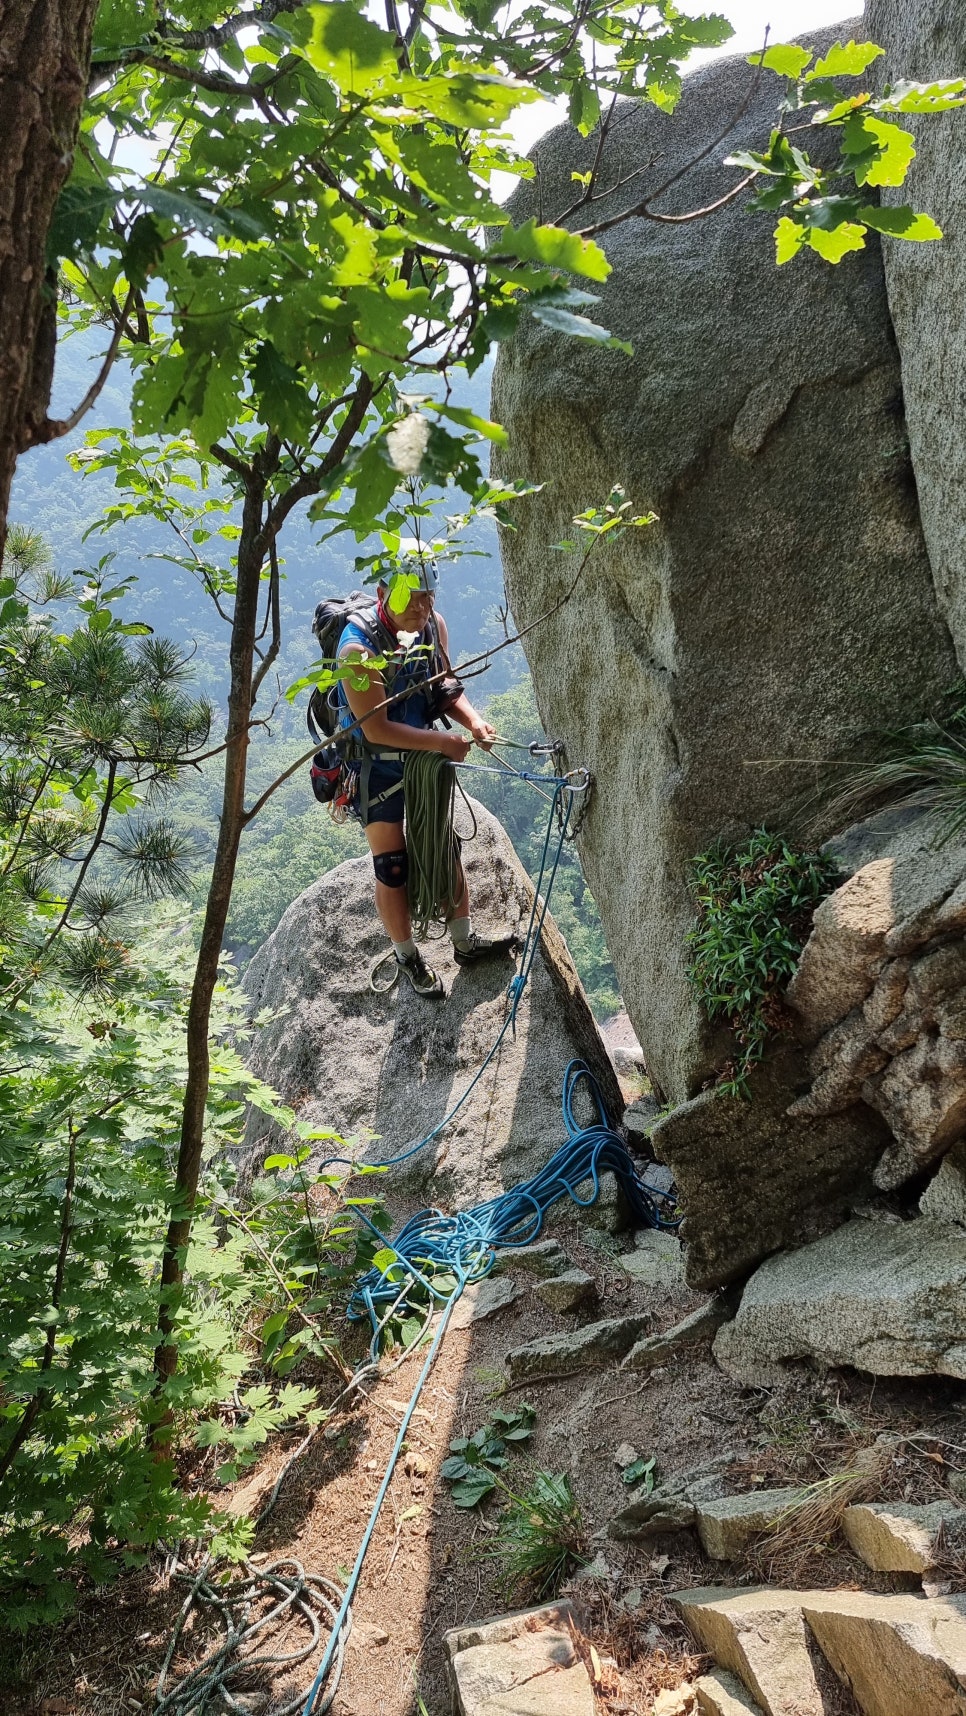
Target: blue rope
(443, 1253)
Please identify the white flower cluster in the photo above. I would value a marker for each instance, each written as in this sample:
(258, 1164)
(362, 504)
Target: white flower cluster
(406, 443)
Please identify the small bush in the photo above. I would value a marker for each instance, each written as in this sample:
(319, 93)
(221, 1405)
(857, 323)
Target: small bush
(755, 905)
(540, 1537)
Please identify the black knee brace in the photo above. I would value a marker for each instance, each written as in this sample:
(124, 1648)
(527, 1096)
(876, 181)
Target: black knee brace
(392, 868)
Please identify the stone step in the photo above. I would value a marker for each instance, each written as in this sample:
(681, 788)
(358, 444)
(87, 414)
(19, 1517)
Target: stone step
(726, 1524)
(892, 1537)
(760, 1636)
(594, 1346)
(722, 1694)
(898, 1655)
(567, 1292)
(700, 1325)
(523, 1664)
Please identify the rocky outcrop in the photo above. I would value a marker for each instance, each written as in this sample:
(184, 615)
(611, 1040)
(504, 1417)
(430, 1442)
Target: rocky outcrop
(751, 1181)
(783, 602)
(523, 1664)
(883, 1296)
(898, 1655)
(926, 39)
(382, 1070)
(880, 991)
(892, 1537)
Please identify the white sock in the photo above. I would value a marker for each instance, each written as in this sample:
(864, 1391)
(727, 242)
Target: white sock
(461, 931)
(404, 949)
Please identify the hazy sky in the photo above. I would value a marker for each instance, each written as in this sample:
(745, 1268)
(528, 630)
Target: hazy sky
(787, 18)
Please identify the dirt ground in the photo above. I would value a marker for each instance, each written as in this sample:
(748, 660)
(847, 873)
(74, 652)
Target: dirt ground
(430, 1564)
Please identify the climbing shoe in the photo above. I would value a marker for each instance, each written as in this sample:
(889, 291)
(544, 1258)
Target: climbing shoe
(481, 947)
(423, 980)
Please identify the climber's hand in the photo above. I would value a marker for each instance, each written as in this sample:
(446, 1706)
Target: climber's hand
(454, 746)
(482, 733)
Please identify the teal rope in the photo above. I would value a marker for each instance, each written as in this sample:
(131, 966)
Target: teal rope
(355, 1575)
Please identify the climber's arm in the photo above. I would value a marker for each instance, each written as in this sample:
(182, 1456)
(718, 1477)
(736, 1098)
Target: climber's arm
(461, 709)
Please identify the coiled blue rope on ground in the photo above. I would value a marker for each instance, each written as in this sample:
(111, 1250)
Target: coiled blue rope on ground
(443, 1253)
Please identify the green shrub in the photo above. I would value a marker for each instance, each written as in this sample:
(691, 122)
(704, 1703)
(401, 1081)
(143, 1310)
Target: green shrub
(540, 1537)
(754, 904)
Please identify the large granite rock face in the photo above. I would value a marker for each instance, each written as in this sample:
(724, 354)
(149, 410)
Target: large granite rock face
(383, 1070)
(783, 602)
(926, 39)
(883, 1296)
(880, 991)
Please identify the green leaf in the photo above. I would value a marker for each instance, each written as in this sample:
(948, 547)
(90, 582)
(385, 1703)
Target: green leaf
(554, 247)
(908, 97)
(285, 403)
(584, 109)
(641, 1472)
(79, 215)
(848, 61)
(121, 24)
(469, 1491)
(478, 101)
(880, 152)
(789, 238)
(902, 222)
(346, 46)
(190, 209)
(471, 420)
(785, 58)
(579, 327)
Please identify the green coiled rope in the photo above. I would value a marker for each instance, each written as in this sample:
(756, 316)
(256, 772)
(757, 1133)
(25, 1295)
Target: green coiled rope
(435, 874)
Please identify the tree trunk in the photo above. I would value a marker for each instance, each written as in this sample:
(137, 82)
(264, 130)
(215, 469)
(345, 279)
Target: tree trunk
(45, 48)
(251, 558)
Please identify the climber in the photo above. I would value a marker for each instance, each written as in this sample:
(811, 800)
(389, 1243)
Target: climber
(407, 725)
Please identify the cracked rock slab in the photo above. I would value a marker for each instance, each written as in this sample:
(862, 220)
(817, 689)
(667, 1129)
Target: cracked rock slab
(727, 1524)
(900, 1656)
(701, 1325)
(593, 1346)
(722, 1694)
(672, 1506)
(893, 1537)
(883, 1297)
(519, 1665)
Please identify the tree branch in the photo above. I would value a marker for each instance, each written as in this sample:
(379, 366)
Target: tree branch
(53, 427)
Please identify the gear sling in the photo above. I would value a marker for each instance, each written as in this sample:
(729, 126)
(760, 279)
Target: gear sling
(348, 752)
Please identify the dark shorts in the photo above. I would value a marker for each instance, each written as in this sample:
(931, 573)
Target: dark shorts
(388, 809)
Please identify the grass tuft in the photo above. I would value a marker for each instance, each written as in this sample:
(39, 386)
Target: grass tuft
(921, 765)
(540, 1537)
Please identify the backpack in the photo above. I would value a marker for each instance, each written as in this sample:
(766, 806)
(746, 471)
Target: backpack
(332, 615)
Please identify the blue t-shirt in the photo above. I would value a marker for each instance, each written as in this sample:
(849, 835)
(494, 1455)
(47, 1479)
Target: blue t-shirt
(410, 711)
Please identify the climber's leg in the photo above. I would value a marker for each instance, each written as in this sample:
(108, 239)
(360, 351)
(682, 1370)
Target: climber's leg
(468, 946)
(390, 862)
